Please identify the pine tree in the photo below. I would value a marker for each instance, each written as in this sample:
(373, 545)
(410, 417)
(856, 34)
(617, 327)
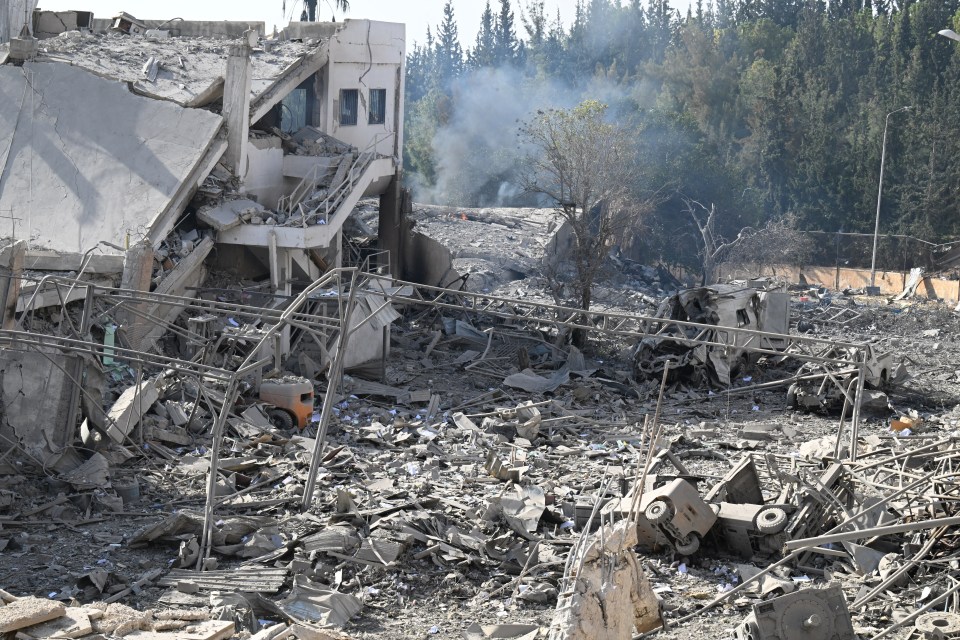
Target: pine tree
(482, 54)
(506, 48)
(448, 50)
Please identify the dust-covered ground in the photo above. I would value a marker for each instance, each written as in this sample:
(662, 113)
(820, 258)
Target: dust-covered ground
(430, 537)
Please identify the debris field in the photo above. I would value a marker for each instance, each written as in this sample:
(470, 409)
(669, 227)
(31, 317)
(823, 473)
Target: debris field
(224, 414)
(454, 485)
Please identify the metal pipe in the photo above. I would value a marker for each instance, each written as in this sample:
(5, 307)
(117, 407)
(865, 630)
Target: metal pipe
(876, 226)
(859, 534)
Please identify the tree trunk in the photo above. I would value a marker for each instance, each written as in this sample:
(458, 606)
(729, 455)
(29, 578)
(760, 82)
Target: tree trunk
(579, 338)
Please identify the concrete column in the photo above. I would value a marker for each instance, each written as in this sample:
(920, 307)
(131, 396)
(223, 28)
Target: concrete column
(137, 275)
(337, 249)
(11, 271)
(390, 225)
(4, 22)
(236, 106)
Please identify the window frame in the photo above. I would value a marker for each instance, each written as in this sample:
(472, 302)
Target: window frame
(356, 108)
(383, 107)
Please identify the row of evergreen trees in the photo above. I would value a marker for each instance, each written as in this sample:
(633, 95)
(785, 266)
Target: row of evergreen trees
(762, 107)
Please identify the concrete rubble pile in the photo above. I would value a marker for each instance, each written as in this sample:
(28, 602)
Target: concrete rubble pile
(210, 427)
(468, 483)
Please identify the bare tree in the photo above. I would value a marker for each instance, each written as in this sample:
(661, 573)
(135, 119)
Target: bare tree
(777, 243)
(714, 248)
(586, 165)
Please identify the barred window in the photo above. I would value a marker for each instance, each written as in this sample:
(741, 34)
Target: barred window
(378, 106)
(348, 106)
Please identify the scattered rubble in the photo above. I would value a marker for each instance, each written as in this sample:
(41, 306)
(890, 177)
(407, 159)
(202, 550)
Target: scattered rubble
(238, 423)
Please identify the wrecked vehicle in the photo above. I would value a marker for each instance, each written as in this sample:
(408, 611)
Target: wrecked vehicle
(746, 527)
(749, 530)
(828, 390)
(675, 515)
(722, 305)
(290, 400)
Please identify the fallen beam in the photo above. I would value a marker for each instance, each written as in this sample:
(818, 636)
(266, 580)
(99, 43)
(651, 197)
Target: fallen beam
(43, 260)
(846, 536)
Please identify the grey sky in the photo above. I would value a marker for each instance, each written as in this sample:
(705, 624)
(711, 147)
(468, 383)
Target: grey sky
(417, 14)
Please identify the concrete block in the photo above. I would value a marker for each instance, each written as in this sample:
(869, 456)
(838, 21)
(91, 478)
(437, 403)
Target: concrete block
(23, 48)
(75, 623)
(28, 611)
(126, 412)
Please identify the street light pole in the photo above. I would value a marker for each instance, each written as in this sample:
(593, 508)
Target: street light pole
(876, 226)
(949, 33)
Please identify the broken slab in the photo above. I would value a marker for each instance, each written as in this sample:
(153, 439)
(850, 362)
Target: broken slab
(123, 161)
(75, 623)
(26, 612)
(129, 408)
(229, 214)
(205, 630)
(180, 281)
(190, 68)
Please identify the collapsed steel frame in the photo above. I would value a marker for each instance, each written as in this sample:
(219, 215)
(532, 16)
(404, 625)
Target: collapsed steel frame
(335, 283)
(537, 315)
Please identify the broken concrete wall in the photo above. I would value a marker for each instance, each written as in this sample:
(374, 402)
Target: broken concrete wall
(86, 160)
(228, 29)
(366, 343)
(47, 24)
(560, 245)
(610, 595)
(889, 282)
(427, 261)
(264, 176)
(14, 15)
(35, 395)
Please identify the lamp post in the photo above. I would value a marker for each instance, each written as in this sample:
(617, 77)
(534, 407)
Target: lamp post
(949, 33)
(876, 226)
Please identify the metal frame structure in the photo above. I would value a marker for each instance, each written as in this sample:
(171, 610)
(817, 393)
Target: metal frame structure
(275, 320)
(539, 315)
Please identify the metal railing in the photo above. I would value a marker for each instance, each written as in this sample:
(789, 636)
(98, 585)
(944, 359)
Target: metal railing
(320, 214)
(308, 184)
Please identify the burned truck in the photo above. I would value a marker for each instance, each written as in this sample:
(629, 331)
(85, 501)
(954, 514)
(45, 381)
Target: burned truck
(724, 306)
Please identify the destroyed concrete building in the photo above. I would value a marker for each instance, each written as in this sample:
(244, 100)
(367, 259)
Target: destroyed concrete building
(222, 417)
(155, 148)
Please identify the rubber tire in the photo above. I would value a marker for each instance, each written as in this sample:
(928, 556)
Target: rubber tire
(658, 512)
(792, 397)
(772, 520)
(280, 419)
(689, 546)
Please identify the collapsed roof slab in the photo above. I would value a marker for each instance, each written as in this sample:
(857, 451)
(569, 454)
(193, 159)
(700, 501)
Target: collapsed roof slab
(82, 160)
(190, 70)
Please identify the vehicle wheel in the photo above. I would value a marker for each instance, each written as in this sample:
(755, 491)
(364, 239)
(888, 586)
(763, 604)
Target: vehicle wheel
(280, 419)
(792, 396)
(689, 545)
(659, 511)
(771, 520)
